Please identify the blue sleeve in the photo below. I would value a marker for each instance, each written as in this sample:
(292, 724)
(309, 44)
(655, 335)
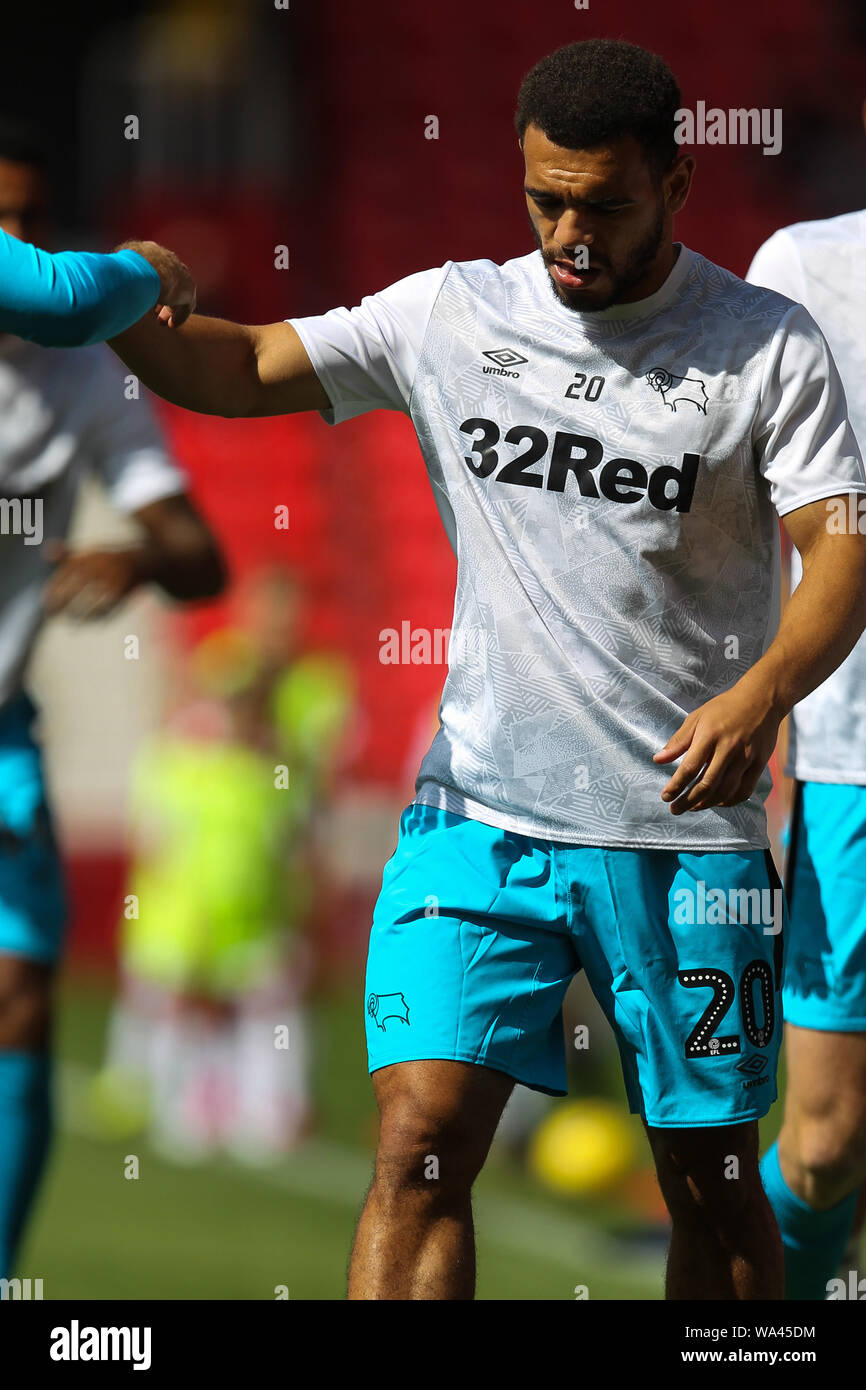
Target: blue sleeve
(73, 297)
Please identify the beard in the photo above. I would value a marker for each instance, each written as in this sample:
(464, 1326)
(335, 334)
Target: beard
(635, 266)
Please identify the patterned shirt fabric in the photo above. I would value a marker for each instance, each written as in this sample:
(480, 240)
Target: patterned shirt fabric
(823, 266)
(610, 483)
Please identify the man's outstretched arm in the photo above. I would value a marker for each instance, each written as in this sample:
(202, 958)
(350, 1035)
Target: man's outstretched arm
(220, 368)
(732, 736)
(73, 298)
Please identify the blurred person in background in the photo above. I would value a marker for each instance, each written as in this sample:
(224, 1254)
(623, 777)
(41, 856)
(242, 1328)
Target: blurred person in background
(816, 1168)
(61, 414)
(209, 1039)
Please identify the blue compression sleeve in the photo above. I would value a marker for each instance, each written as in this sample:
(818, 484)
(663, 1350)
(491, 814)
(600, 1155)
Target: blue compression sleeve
(813, 1241)
(74, 297)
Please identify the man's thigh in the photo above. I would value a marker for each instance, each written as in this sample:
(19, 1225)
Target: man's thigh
(454, 1106)
(826, 1078)
(470, 955)
(716, 1163)
(684, 953)
(825, 974)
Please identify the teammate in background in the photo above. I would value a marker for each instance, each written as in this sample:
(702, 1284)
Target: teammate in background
(814, 1170)
(60, 415)
(611, 425)
(208, 1040)
(73, 298)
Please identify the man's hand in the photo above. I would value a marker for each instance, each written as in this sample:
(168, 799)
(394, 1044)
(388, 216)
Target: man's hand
(177, 295)
(91, 583)
(177, 552)
(727, 744)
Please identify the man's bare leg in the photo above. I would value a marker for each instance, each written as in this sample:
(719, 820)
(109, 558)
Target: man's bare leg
(819, 1162)
(725, 1243)
(415, 1238)
(822, 1144)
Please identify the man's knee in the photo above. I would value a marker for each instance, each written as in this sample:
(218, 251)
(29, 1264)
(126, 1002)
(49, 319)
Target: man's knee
(708, 1175)
(829, 1153)
(25, 1003)
(433, 1138)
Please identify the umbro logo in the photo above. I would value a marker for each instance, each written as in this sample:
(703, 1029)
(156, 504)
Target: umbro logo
(504, 358)
(754, 1065)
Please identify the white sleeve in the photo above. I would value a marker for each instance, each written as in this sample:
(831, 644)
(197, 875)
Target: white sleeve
(803, 441)
(125, 446)
(777, 266)
(366, 357)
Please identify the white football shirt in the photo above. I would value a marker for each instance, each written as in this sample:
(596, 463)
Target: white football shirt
(823, 265)
(62, 413)
(610, 484)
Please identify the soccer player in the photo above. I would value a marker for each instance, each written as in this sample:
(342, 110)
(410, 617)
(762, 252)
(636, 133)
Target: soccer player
(813, 1172)
(611, 425)
(60, 414)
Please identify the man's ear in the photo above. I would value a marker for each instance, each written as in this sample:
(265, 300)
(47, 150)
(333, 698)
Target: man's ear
(680, 181)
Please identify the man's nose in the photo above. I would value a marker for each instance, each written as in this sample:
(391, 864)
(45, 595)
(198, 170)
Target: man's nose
(572, 230)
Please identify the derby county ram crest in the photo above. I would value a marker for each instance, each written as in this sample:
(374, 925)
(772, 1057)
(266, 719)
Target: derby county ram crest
(678, 390)
(381, 1007)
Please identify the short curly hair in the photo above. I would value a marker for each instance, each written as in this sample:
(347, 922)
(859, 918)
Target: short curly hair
(599, 90)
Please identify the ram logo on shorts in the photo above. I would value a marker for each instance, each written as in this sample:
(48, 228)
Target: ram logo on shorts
(381, 1007)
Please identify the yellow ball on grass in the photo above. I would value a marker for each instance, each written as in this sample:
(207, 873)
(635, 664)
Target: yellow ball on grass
(583, 1147)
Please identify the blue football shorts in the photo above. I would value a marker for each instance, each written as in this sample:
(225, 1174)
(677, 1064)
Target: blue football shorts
(825, 975)
(478, 931)
(32, 894)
